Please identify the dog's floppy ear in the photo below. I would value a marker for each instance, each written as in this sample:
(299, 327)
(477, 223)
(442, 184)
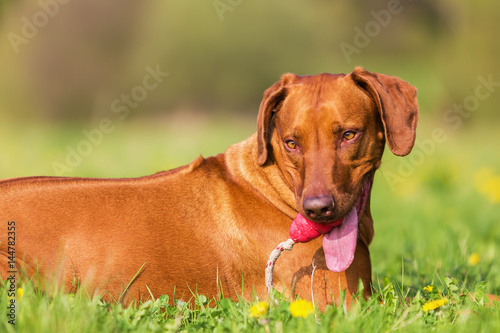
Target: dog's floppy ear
(396, 101)
(271, 103)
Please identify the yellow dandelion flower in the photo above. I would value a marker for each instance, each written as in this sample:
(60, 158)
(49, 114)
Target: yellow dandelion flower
(301, 308)
(473, 259)
(494, 190)
(20, 293)
(259, 309)
(481, 179)
(432, 305)
(488, 184)
(429, 288)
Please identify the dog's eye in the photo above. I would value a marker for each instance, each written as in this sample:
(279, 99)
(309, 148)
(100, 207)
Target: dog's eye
(291, 144)
(349, 135)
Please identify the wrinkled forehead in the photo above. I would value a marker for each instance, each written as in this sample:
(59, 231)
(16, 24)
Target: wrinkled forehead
(330, 98)
(316, 87)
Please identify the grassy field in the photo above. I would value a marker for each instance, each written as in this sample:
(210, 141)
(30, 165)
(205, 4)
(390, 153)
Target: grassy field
(436, 218)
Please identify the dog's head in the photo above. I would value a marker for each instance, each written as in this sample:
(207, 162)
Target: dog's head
(327, 134)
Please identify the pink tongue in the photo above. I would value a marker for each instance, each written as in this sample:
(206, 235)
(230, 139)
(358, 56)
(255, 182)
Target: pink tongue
(339, 244)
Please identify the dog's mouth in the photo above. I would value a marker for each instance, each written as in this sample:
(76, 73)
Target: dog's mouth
(363, 196)
(339, 237)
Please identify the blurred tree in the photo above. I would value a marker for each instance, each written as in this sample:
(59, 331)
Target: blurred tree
(78, 56)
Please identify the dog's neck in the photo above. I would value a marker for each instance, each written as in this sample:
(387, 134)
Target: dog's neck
(267, 180)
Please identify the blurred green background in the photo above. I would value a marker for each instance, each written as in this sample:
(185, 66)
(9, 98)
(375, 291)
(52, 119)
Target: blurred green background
(67, 65)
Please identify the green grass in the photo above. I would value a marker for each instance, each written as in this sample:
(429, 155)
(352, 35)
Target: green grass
(390, 309)
(426, 228)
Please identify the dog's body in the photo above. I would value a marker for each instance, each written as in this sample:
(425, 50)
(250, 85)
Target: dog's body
(211, 225)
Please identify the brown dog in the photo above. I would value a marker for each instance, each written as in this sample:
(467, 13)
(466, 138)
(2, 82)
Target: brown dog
(211, 225)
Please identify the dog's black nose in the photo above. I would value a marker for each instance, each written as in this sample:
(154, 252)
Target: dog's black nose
(318, 207)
